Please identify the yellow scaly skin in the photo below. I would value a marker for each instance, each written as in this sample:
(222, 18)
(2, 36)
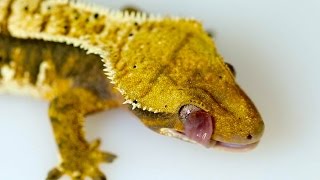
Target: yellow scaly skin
(157, 66)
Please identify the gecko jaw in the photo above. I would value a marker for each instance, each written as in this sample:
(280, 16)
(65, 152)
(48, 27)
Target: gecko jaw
(179, 135)
(236, 147)
(213, 144)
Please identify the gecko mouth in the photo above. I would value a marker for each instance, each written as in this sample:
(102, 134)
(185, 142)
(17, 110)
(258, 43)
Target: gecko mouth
(210, 144)
(199, 126)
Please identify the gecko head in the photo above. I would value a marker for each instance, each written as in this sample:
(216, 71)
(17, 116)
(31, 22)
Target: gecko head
(229, 123)
(218, 119)
(180, 86)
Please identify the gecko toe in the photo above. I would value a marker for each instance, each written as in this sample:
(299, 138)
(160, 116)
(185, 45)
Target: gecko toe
(98, 175)
(54, 174)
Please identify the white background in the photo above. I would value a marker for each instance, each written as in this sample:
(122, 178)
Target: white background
(274, 46)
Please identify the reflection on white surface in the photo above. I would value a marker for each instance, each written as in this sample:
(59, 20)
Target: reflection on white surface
(274, 46)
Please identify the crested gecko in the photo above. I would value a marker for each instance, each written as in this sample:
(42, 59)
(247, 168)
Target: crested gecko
(84, 59)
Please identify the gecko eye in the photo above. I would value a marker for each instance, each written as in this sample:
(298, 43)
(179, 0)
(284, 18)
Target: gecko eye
(186, 110)
(231, 68)
(198, 124)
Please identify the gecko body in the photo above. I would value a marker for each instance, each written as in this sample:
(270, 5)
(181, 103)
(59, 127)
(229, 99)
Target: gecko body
(166, 70)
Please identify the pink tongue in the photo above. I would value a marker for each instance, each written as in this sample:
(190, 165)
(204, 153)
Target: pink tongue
(198, 127)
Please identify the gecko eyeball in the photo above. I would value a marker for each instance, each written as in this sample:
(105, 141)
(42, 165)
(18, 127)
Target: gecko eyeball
(231, 68)
(198, 124)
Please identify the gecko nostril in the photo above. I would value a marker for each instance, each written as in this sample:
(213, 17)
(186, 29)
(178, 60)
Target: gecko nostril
(249, 136)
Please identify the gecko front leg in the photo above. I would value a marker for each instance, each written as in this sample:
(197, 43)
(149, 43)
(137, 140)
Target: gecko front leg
(79, 159)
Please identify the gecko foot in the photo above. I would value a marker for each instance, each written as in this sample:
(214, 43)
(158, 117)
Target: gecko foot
(82, 163)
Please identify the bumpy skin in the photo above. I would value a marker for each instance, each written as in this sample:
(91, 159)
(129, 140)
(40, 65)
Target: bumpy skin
(156, 65)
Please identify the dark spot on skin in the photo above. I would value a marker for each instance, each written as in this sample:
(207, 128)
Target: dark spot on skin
(117, 30)
(87, 20)
(96, 15)
(26, 8)
(151, 27)
(249, 136)
(134, 66)
(99, 29)
(66, 29)
(165, 106)
(54, 120)
(135, 101)
(130, 34)
(220, 77)
(136, 24)
(43, 26)
(77, 17)
(49, 7)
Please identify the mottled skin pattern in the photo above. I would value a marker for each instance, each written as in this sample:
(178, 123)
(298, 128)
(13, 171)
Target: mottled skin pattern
(156, 65)
(26, 57)
(86, 90)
